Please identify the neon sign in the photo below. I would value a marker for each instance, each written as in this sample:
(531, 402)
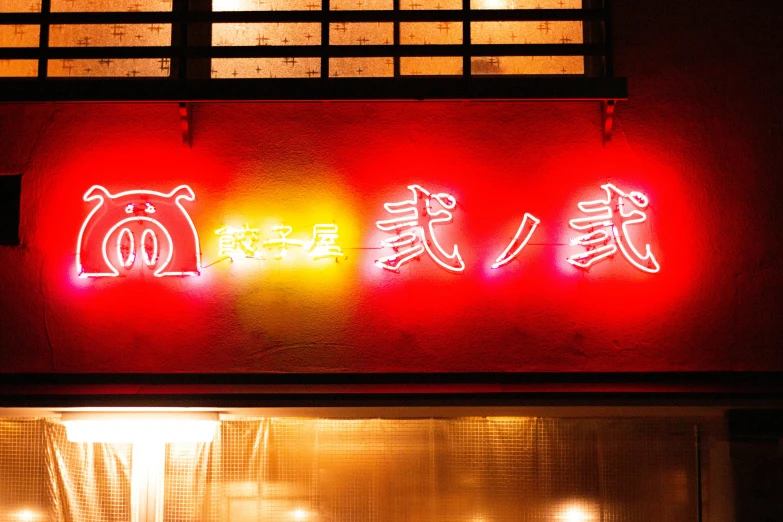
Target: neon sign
(523, 235)
(281, 243)
(238, 243)
(413, 238)
(324, 243)
(108, 236)
(617, 219)
(245, 243)
(153, 230)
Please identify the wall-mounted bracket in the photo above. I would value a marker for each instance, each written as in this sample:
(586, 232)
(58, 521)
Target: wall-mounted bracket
(607, 116)
(185, 122)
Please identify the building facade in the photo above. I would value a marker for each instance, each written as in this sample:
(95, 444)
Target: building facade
(504, 309)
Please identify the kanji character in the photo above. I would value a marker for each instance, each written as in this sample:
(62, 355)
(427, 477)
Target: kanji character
(414, 225)
(282, 242)
(324, 242)
(616, 212)
(238, 243)
(523, 235)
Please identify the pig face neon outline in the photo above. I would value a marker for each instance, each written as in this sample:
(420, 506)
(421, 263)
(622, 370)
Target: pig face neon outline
(101, 195)
(601, 217)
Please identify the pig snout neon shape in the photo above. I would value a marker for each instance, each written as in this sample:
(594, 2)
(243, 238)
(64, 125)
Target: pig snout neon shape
(138, 228)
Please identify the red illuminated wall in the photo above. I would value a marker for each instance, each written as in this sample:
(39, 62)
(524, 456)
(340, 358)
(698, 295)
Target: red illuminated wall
(700, 135)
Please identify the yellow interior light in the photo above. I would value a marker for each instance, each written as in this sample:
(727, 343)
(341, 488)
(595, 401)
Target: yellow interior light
(574, 514)
(140, 427)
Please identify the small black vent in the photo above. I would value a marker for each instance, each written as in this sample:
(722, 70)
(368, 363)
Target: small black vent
(10, 197)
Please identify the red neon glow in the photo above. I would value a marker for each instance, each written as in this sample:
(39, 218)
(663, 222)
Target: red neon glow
(521, 238)
(603, 215)
(131, 213)
(412, 238)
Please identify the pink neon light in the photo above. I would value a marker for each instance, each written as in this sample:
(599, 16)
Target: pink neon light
(526, 229)
(603, 216)
(150, 252)
(135, 205)
(413, 239)
(126, 255)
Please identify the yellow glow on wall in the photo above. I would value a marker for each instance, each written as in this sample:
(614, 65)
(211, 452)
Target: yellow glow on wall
(276, 299)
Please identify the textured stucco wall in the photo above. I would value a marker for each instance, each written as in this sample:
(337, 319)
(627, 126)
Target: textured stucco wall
(701, 135)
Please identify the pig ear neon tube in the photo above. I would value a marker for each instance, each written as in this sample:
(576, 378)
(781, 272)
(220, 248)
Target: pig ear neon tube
(156, 222)
(602, 213)
(521, 238)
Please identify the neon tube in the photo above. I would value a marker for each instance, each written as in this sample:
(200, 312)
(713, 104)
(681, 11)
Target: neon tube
(602, 216)
(126, 262)
(150, 259)
(100, 194)
(529, 223)
(411, 234)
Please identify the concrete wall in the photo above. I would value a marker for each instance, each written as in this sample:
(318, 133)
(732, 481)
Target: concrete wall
(700, 135)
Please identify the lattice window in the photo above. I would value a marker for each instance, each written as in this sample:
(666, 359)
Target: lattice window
(308, 49)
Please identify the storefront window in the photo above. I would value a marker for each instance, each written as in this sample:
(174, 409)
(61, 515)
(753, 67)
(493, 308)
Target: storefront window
(377, 469)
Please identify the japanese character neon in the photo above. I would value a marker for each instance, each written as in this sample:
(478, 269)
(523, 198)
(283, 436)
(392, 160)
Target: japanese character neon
(239, 243)
(414, 223)
(324, 242)
(523, 235)
(282, 242)
(167, 237)
(616, 212)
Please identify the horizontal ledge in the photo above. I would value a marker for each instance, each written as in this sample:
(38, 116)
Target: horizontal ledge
(532, 15)
(388, 389)
(298, 51)
(315, 89)
(700, 379)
